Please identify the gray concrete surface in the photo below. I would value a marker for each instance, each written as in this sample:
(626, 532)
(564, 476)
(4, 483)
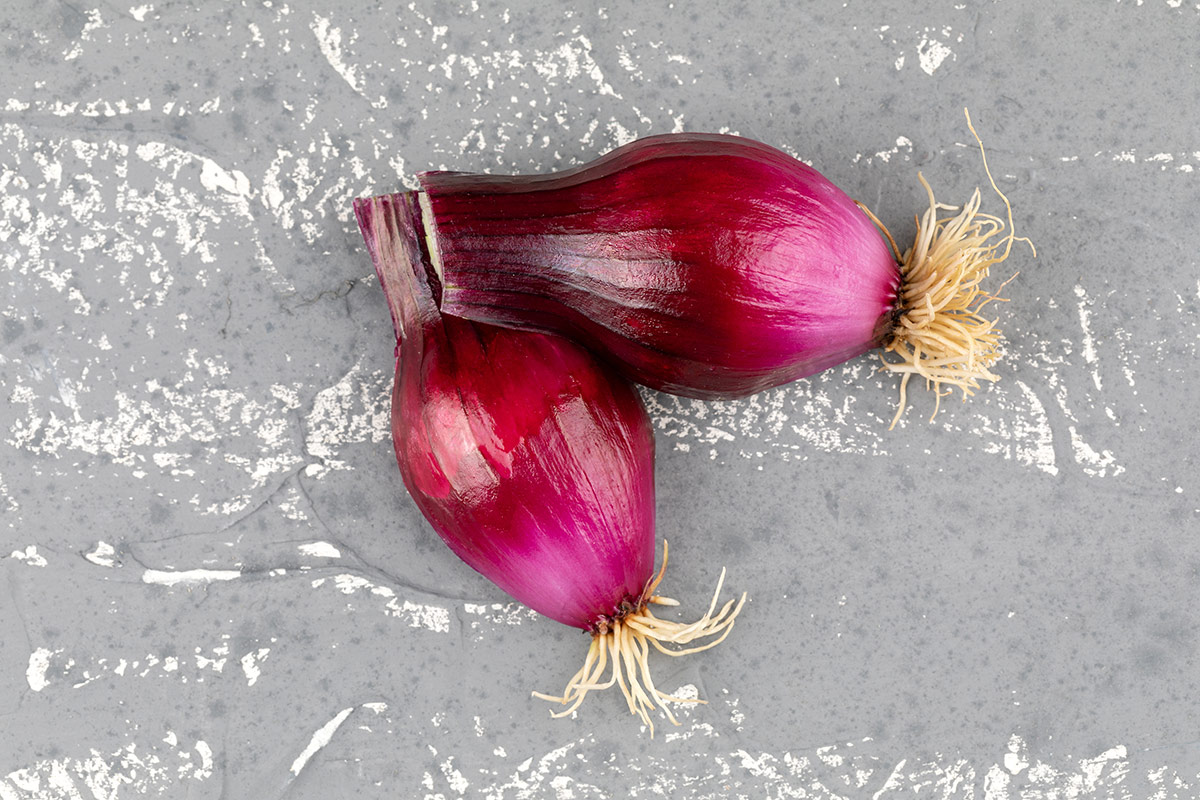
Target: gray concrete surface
(212, 583)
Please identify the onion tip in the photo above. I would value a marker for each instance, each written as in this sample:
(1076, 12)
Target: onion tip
(626, 642)
(941, 333)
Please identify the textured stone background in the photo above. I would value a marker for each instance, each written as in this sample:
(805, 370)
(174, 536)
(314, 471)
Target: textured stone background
(212, 583)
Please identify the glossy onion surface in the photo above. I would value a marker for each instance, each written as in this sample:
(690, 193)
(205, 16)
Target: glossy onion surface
(530, 458)
(700, 264)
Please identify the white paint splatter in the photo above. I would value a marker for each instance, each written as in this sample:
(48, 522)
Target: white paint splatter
(903, 143)
(214, 178)
(456, 780)
(205, 770)
(1098, 464)
(789, 421)
(496, 614)
(39, 663)
(94, 23)
(355, 409)
(251, 664)
(149, 228)
(102, 555)
(572, 59)
(932, 54)
(1015, 759)
(30, 556)
(7, 501)
(132, 770)
(81, 671)
(215, 662)
(320, 739)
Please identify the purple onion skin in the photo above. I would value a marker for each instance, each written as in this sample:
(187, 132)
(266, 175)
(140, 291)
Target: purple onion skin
(704, 265)
(531, 459)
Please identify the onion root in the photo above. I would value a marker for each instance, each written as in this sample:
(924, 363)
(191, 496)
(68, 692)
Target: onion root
(626, 643)
(941, 333)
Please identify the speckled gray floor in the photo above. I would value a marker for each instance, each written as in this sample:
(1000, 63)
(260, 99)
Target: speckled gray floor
(212, 583)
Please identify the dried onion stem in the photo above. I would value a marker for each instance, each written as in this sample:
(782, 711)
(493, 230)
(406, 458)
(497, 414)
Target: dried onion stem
(941, 334)
(626, 643)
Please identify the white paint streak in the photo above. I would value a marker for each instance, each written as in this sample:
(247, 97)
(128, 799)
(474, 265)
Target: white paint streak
(1089, 342)
(320, 739)
(417, 615)
(1096, 463)
(329, 40)
(894, 780)
(1035, 434)
(188, 577)
(320, 550)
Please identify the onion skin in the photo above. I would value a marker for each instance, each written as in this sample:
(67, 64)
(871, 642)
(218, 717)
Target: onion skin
(704, 265)
(530, 458)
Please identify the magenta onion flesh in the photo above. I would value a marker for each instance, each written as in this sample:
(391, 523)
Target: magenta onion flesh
(714, 266)
(533, 461)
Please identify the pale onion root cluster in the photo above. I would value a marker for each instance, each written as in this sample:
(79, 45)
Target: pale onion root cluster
(627, 643)
(942, 334)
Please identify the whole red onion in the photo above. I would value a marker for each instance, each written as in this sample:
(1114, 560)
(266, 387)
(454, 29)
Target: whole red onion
(531, 459)
(712, 266)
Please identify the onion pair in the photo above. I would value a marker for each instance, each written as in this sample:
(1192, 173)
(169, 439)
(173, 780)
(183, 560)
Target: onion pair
(705, 265)
(534, 462)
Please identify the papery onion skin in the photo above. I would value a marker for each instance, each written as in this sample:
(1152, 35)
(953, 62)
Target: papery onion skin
(530, 458)
(704, 265)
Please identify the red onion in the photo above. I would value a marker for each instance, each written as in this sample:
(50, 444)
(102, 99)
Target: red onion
(534, 462)
(714, 266)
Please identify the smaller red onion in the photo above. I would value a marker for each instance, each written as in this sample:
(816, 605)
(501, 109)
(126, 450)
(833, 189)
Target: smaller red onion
(534, 462)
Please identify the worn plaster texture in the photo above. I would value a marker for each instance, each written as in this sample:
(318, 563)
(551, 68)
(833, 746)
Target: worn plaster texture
(212, 583)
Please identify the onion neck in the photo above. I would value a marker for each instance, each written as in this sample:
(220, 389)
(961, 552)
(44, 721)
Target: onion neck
(392, 227)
